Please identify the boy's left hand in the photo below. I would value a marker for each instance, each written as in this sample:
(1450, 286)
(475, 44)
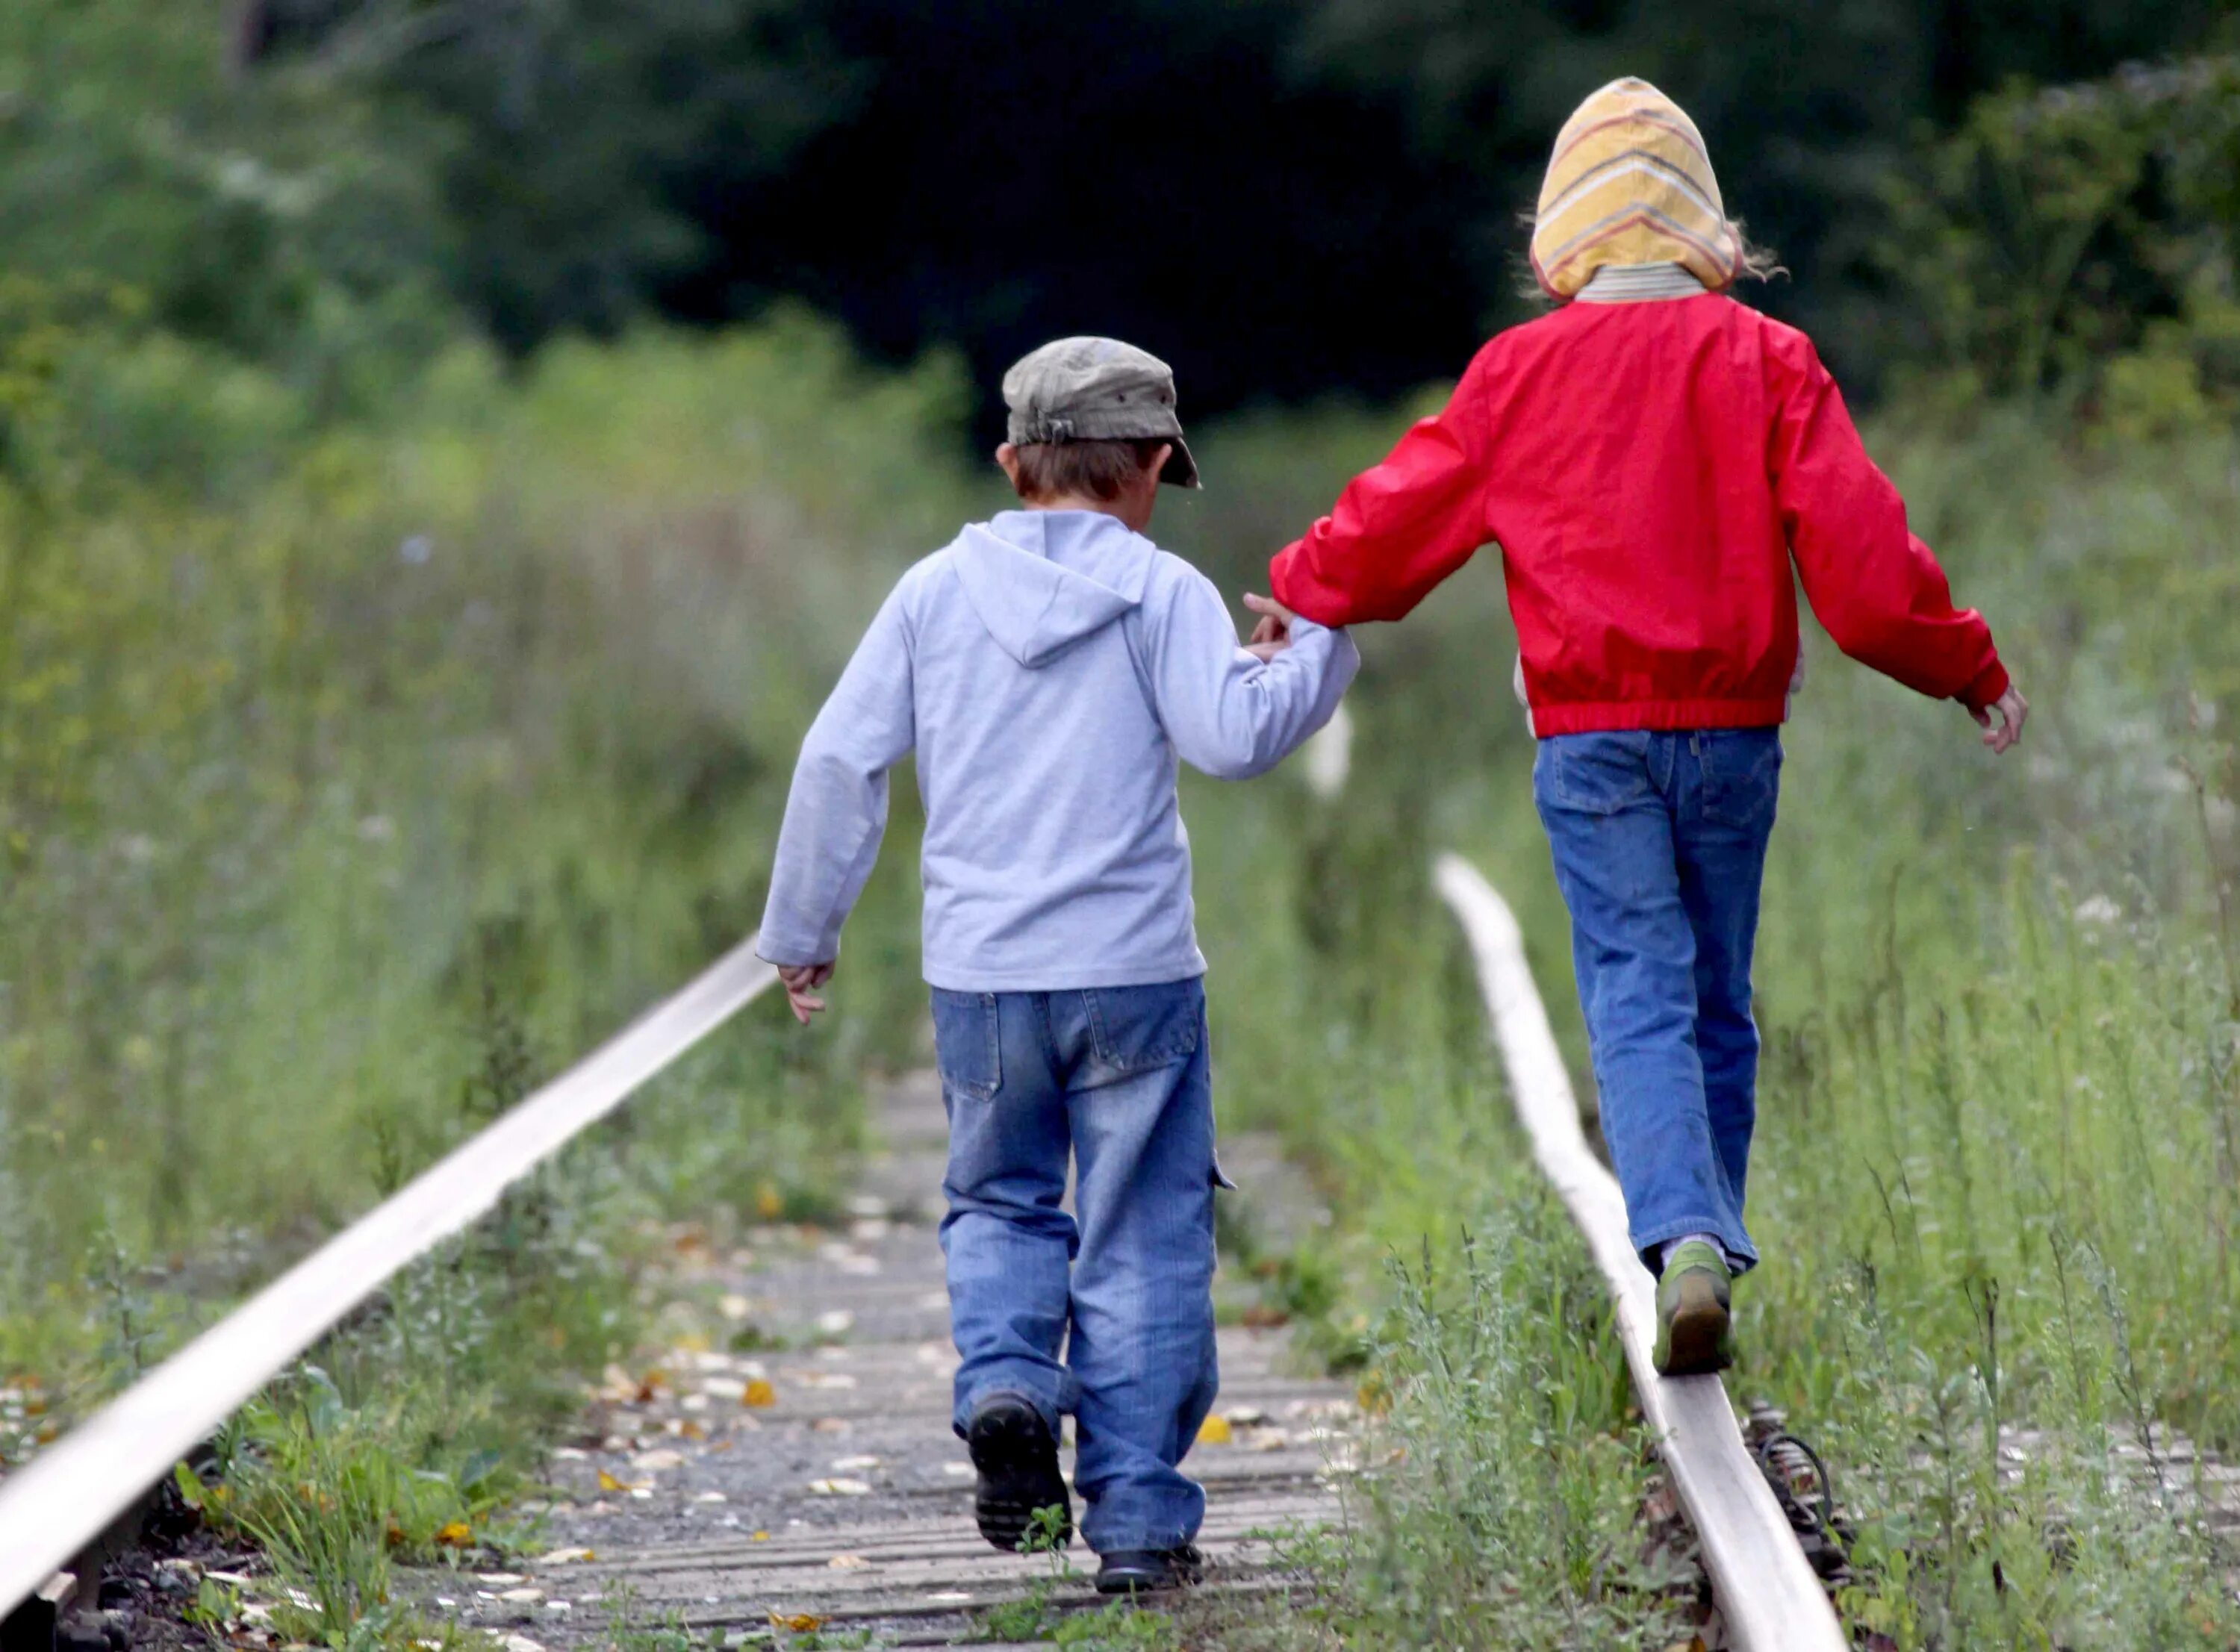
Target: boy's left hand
(800, 981)
(1273, 634)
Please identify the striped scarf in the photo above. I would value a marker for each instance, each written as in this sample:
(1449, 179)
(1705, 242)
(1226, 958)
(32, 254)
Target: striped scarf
(1630, 183)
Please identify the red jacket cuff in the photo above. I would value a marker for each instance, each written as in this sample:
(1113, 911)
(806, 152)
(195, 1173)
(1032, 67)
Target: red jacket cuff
(1989, 684)
(1291, 582)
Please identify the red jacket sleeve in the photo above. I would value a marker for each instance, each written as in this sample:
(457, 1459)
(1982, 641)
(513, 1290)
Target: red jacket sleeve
(1401, 528)
(1876, 588)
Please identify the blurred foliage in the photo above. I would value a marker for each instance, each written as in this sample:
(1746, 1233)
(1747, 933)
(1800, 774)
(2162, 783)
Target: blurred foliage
(1994, 1182)
(2082, 240)
(354, 777)
(398, 686)
(581, 150)
(284, 222)
(1222, 182)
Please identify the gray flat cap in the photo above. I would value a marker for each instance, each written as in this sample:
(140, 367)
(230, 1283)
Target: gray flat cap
(1097, 389)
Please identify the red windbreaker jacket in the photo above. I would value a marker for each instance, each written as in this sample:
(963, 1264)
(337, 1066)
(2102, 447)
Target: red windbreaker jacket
(1650, 469)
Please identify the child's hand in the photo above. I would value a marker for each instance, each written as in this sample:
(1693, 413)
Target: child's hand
(1273, 634)
(800, 981)
(2012, 709)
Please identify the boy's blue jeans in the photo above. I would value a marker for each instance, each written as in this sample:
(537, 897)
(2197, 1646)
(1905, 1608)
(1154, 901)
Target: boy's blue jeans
(1659, 844)
(1119, 1076)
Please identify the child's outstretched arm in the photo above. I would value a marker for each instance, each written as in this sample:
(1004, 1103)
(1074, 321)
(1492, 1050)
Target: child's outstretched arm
(837, 811)
(1401, 527)
(1228, 711)
(1876, 588)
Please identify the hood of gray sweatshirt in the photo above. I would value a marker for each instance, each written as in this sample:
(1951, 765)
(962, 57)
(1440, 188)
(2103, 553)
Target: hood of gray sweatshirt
(1048, 668)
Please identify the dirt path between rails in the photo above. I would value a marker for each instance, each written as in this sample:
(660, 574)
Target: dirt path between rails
(817, 1482)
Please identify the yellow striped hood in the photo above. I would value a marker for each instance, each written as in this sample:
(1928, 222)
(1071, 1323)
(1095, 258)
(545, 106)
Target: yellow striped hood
(1630, 183)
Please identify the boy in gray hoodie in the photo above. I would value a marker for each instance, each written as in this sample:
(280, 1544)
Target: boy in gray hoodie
(1049, 667)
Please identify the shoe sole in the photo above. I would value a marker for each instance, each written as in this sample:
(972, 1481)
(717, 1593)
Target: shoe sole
(1017, 1460)
(1134, 1584)
(1147, 1583)
(1698, 1340)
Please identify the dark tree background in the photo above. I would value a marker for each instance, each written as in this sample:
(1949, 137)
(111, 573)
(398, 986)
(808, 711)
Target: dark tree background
(1284, 196)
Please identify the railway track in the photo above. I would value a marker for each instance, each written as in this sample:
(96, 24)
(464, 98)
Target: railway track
(1766, 1591)
(867, 1410)
(842, 1501)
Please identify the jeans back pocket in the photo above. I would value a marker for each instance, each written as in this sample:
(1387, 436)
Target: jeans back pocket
(968, 1042)
(1594, 774)
(1741, 774)
(1137, 1029)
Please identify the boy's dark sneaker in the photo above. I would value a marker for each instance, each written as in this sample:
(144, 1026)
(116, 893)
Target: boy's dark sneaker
(1695, 1316)
(1143, 1571)
(1016, 1456)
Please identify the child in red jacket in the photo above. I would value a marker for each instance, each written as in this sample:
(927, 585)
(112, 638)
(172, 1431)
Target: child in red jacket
(1653, 458)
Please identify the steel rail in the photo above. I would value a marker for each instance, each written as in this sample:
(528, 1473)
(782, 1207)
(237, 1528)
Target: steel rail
(68, 1496)
(1763, 1585)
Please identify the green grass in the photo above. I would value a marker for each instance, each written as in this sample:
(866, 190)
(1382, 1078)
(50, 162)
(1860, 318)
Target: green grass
(348, 795)
(1994, 1181)
(356, 778)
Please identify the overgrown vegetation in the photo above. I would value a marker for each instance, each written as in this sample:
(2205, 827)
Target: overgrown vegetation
(382, 721)
(1995, 1183)
(356, 780)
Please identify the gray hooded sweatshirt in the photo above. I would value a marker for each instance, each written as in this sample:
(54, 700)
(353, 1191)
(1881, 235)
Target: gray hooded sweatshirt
(1049, 667)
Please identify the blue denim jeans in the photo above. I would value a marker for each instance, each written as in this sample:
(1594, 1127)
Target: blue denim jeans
(1107, 1314)
(1659, 843)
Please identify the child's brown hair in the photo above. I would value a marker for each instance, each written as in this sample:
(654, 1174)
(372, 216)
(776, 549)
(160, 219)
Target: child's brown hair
(1081, 470)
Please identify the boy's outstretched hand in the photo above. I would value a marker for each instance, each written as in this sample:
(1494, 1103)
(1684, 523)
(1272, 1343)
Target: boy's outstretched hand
(800, 981)
(1273, 634)
(2013, 710)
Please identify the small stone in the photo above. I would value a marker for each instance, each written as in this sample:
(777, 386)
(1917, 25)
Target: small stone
(834, 1322)
(523, 1596)
(177, 1577)
(847, 1563)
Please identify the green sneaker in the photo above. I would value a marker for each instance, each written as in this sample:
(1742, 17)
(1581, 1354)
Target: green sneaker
(1694, 1324)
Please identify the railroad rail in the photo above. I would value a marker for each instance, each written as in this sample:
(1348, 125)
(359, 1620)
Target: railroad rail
(69, 1496)
(1765, 1589)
